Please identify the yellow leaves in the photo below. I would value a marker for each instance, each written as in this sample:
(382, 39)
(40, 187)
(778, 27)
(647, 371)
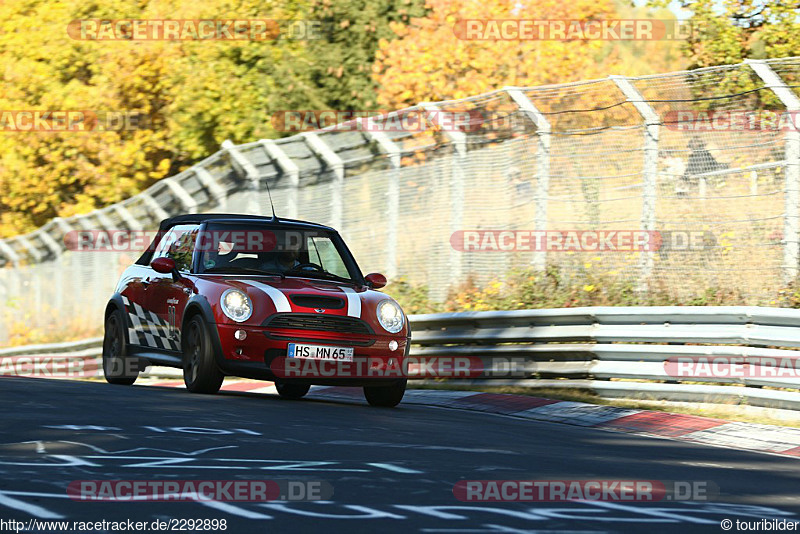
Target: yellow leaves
(191, 96)
(430, 62)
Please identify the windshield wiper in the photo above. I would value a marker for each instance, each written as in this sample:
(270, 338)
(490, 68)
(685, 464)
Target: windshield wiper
(234, 269)
(321, 274)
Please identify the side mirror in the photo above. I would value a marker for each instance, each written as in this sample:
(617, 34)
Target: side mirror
(376, 280)
(163, 265)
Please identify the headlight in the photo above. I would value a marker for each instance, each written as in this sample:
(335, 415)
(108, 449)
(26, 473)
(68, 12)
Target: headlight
(390, 316)
(236, 305)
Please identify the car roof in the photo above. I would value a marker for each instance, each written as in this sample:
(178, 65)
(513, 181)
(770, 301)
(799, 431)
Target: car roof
(199, 218)
(235, 218)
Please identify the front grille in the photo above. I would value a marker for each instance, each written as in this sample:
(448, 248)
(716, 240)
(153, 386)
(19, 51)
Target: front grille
(323, 323)
(318, 301)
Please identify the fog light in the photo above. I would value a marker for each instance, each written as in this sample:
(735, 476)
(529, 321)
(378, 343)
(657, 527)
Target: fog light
(240, 335)
(393, 345)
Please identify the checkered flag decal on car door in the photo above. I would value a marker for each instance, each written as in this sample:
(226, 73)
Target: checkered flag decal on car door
(146, 324)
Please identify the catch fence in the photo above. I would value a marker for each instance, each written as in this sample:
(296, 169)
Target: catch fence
(609, 155)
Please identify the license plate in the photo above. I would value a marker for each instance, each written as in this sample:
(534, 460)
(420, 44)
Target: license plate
(321, 352)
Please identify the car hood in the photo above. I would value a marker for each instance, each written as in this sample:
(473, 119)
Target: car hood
(304, 295)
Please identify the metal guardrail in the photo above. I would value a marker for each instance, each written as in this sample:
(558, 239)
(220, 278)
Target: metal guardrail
(624, 351)
(612, 351)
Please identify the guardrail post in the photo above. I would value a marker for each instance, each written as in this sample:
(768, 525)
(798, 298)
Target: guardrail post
(159, 212)
(28, 246)
(9, 253)
(219, 194)
(392, 199)
(459, 140)
(245, 167)
(543, 130)
(292, 171)
(125, 215)
(791, 222)
(189, 203)
(649, 170)
(332, 160)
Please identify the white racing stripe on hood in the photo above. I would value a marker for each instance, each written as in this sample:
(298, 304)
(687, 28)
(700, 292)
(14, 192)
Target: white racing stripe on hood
(278, 298)
(353, 302)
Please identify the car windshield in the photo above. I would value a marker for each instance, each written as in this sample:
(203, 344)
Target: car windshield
(262, 249)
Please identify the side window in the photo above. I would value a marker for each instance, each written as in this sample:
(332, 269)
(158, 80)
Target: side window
(178, 244)
(322, 251)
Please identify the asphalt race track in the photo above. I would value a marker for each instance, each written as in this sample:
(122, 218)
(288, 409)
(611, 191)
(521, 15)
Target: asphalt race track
(392, 470)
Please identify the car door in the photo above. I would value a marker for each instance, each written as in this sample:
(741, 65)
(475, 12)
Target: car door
(131, 286)
(165, 297)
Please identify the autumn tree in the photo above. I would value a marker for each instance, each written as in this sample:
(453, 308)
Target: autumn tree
(191, 95)
(432, 61)
(734, 30)
(345, 51)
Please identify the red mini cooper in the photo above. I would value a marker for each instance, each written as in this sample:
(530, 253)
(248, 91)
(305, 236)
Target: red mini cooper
(256, 297)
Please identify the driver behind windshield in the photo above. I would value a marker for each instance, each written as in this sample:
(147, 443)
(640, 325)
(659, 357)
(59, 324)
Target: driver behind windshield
(280, 261)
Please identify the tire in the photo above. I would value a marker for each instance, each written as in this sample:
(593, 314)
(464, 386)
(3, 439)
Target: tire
(200, 371)
(386, 397)
(291, 391)
(118, 367)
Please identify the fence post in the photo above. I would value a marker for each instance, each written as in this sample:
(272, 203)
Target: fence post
(459, 140)
(65, 229)
(543, 130)
(652, 124)
(100, 268)
(332, 159)
(12, 282)
(244, 166)
(791, 250)
(392, 199)
(290, 168)
(55, 296)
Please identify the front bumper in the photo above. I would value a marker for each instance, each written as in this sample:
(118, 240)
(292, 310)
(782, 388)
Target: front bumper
(262, 354)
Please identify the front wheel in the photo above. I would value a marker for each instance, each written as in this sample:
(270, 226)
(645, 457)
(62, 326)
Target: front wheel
(386, 397)
(200, 371)
(291, 391)
(118, 368)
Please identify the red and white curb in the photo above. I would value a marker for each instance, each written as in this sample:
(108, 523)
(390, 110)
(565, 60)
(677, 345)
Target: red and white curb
(691, 428)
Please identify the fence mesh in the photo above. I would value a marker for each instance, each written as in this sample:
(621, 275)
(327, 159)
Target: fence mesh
(577, 156)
